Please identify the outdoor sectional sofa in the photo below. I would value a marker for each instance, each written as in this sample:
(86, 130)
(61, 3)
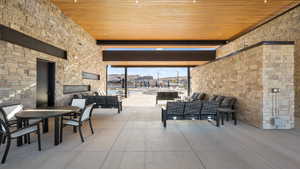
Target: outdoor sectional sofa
(198, 109)
(102, 101)
(166, 96)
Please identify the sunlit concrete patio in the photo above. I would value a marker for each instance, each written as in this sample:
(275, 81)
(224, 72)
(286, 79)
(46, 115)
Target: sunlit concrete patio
(135, 139)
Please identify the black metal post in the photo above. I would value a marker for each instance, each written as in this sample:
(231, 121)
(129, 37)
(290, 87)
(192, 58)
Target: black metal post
(56, 131)
(189, 80)
(106, 79)
(125, 82)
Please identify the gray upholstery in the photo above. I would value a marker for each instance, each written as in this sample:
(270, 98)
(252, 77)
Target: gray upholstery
(71, 122)
(23, 131)
(12, 110)
(193, 108)
(209, 107)
(9, 112)
(175, 108)
(87, 112)
(78, 103)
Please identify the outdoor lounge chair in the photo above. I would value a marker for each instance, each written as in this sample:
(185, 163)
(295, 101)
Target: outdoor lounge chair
(209, 109)
(105, 101)
(229, 103)
(174, 111)
(166, 96)
(193, 110)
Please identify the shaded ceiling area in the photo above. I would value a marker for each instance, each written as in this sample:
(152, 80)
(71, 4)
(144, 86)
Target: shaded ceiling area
(161, 25)
(170, 19)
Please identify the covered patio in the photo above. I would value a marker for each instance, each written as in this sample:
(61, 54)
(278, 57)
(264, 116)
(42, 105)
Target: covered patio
(241, 58)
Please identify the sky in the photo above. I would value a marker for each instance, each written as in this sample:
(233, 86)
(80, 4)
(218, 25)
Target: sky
(163, 72)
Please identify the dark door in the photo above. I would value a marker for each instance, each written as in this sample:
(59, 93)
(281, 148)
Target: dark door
(45, 83)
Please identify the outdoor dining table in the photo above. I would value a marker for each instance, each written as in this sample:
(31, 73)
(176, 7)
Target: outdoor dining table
(44, 113)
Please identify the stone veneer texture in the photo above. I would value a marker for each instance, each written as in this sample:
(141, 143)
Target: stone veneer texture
(43, 20)
(278, 72)
(249, 76)
(239, 76)
(283, 28)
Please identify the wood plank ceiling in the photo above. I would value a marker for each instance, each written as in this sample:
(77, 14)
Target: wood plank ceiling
(170, 19)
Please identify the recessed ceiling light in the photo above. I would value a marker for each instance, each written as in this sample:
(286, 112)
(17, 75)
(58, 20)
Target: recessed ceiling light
(159, 48)
(75, 1)
(194, 1)
(136, 1)
(265, 1)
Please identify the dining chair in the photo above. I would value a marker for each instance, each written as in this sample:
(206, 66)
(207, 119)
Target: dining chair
(8, 113)
(86, 115)
(79, 103)
(6, 131)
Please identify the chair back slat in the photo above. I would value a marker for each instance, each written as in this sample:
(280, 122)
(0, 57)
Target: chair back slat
(79, 103)
(193, 108)
(209, 107)
(175, 108)
(87, 112)
(11, 110)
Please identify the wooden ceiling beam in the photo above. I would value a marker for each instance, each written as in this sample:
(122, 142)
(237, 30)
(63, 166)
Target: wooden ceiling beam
(149, 56)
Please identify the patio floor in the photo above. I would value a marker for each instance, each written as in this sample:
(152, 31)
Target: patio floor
(135, 139)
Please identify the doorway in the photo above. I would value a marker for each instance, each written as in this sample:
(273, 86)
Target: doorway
(45, 91)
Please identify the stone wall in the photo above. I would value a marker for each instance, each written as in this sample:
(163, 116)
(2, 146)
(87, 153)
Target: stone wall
(239, 76)
(278, 72)
(283, 28)
(249, 76)
(43, 20)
